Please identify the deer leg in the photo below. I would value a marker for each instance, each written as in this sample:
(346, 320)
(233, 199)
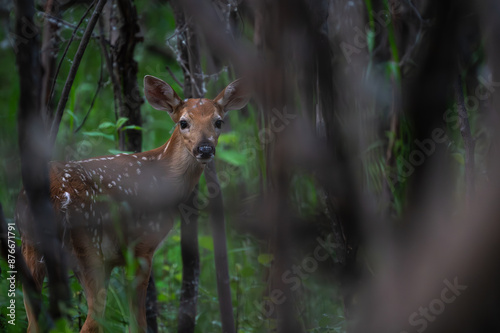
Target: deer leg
(94, 281)
(37, 269)
(138, 301)
(94, 276)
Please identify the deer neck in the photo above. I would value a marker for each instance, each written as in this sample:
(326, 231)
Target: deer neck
(182, 168)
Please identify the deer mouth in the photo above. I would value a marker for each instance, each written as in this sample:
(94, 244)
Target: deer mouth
(204, 160)
(204, 153)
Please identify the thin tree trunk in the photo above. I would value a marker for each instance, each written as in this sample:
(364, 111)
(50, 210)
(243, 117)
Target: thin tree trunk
(190, 266)
(469, 142)
(126, 67)
(220, 250)
(35, 150)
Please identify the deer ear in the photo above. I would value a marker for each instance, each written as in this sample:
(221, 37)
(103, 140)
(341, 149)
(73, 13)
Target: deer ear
(160, 94)
(234, 97)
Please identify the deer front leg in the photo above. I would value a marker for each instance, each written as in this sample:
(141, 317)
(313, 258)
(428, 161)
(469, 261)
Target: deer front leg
(138, 300)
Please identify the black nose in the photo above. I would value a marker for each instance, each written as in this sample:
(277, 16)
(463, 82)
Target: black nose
(206, 150)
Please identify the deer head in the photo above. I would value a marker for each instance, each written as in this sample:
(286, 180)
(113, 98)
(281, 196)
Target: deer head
(199, 120)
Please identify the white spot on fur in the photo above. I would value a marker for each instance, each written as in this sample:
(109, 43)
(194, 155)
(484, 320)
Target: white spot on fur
(67, 200)
(138, 171)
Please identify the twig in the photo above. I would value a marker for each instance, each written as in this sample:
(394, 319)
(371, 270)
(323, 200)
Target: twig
(52, 88)
(76, 28)
(114, 80)
(99, 86)
(174, 77)
(421, 24)
(74, 69)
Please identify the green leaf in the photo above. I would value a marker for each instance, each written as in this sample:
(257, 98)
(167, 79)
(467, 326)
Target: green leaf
(265, 258)
(121, 121)
(72, 115)
(107, 136)
(106, 124)
(206, 242)
(247, 271)
(370, 37)
(232, 157)
(132, 127)
(459, 158)
(228, 138)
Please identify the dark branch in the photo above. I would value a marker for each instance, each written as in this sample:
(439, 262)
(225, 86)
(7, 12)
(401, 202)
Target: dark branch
(74, 68)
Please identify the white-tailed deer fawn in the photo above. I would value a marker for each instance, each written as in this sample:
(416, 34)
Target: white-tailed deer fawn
(107, 204)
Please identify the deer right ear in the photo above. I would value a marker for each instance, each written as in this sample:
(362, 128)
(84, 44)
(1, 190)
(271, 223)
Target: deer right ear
(235, 96)
(160, 94)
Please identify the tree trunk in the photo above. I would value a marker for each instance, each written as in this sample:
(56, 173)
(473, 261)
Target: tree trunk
(35, 149)
(126, 67)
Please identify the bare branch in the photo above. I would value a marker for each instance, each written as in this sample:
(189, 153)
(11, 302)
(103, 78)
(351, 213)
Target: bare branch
(74, 68)
(52, 88)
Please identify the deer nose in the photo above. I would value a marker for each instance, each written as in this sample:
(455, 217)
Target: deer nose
(206, 150)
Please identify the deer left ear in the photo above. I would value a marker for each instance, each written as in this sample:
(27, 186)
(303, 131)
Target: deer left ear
(235, 96)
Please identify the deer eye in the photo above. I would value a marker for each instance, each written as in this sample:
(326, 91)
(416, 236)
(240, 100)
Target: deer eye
(218, 123)
(183, 124)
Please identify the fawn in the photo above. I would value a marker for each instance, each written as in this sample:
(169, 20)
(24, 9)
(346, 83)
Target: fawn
(105, 204)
